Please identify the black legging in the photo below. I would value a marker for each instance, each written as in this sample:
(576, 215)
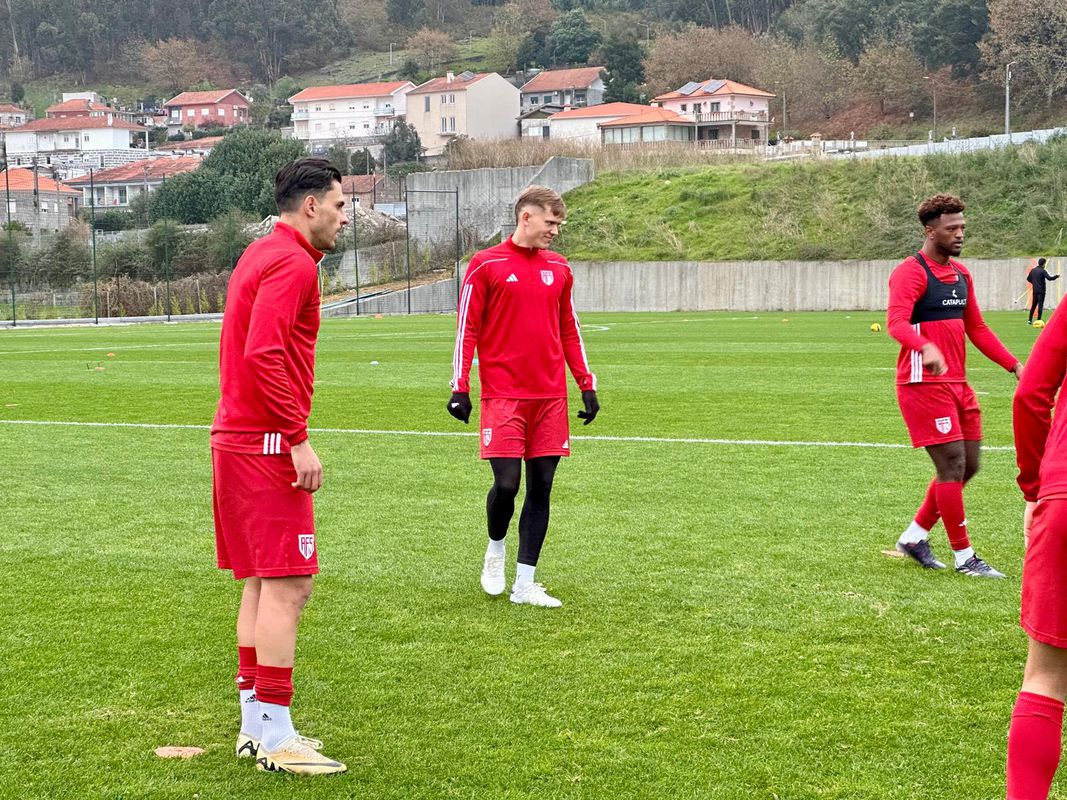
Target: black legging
(1037, 303)
(500, 504)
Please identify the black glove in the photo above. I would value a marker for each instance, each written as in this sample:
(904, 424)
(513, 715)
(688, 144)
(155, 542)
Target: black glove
(459, 406)
(592, 406)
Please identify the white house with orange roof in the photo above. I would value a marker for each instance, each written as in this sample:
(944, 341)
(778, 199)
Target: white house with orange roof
(563, 87)
(77, 144)
(479, 105)
(356, 113)
(651, 125)
(722, 111)
(117, 187)
(583, 124)
(11, 116)
(38, 201)
(216, 108)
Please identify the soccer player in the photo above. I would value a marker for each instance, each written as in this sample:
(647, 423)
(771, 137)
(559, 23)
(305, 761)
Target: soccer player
(265, 470)
(1036, 278)
(932, 307)
(1041, 453)
(515, 309)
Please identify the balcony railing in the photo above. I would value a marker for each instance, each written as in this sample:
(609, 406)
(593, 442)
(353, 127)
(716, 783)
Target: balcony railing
(298, 114)
(730, 116)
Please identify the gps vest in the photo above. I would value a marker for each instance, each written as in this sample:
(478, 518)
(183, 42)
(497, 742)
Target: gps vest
(941, 300)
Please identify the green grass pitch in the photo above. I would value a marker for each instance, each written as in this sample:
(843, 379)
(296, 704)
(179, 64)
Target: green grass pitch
(730, 626)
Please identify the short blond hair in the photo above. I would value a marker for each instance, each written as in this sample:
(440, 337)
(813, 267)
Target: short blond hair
(542, 197)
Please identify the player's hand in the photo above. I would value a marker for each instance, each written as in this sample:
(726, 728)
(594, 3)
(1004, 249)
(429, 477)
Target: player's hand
(592, 406)
(1028, 520)
(459, 406)
(933, 361)
(307, 466)
(1018, 370)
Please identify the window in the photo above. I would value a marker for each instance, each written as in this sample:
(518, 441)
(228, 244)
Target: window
(427, 103)
(351, 126)
(452, 99)
(66, 140)
(444, 125)
(683, 107)
(534, 100)
(86, 137)
(203, 112)
(190, 112)
(351, 106)
(366, 105)
(222, 112)
(452, 124)
(366, 126)
(715, 106)
(44, 206)
(123, 197)
(11, 206)
(545, 131)
(755, 134)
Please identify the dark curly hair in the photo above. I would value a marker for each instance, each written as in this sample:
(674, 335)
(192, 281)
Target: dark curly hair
(934, 207)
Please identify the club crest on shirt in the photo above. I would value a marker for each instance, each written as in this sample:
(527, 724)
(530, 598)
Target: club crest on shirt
(944, 424)
(487, 436)
(547, 277)
(306, 542)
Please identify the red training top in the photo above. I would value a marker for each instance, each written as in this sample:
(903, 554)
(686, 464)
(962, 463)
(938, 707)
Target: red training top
(267, 352)
(515, 308)
(1040, 435)
(909, 286)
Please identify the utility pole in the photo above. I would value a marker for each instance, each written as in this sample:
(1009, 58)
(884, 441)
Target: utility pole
(933, 87)
(92, 214)
(1007, 99)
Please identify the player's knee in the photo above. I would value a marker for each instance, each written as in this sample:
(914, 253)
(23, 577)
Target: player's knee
(506, 485)
(969, 472)
(953, 468)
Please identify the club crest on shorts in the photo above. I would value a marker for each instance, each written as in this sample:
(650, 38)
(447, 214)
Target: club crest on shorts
(487, 436)
(307, 545)
(944, 424)
(547, 277)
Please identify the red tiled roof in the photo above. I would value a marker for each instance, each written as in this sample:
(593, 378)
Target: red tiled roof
(602, 110)
(349, 90)
(359, 184)
(728, 87)
(649, 117)
(190, 144)
(52, 125)
(8, 108)
(551, 80)
(442, 84)
(21, 180)
(150, 168)
(203, 98)
(77, 104)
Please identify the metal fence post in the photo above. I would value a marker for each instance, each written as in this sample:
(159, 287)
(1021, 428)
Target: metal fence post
(355, 246)
(10, 238)
(458, 256)
(407, 234)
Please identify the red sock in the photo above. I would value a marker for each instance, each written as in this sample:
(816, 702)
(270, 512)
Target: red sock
(928, 515)
(274, 685)
(950, 502)
(1033, 746)
(246, 667)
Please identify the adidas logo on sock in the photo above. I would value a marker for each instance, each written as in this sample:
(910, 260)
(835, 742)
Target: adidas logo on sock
(512, 278)
(265, 717)
(251, 698)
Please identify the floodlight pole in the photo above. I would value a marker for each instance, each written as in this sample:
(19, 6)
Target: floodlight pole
(10, 232)
(355, 246)
(92, 216)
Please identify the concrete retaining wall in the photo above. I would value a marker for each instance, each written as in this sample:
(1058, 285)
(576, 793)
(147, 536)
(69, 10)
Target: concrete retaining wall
(771, 285)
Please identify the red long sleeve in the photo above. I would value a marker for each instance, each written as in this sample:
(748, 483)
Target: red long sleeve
(267, 346)
(906, 286)
(981, 334)
(515, 310)
(1040, 439)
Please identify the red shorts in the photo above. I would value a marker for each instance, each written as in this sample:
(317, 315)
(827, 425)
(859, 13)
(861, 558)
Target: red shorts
(263, 526)
(1044, 604)
(525, 428)
(936, 413)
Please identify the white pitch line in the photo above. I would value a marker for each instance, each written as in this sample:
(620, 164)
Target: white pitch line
(383, 432)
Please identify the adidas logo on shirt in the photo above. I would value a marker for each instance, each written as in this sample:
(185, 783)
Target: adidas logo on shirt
(512, 278)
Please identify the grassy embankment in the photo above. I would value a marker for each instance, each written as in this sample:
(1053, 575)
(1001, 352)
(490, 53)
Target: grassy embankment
(1016, 206)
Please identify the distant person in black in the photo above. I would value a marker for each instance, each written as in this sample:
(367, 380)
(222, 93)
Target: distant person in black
(1037, 278)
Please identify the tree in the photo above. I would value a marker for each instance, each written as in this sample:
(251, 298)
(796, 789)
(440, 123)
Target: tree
(703, 53)
(227, 237)
(18, 92)
(401, 144)
(1033, 34)
(362, 162)
(572, 39)
(431, 48)
(533, 51)
(624, 69)
(174, 65)
(338, 155)
(403, 12)
(889, 73)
